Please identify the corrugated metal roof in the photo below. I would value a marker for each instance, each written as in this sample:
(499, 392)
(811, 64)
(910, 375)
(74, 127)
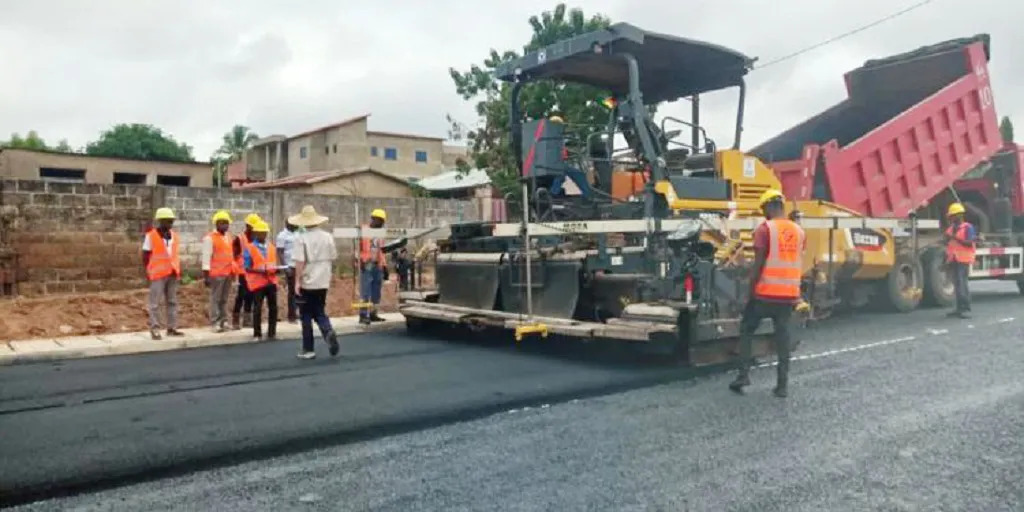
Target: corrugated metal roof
(455, 180)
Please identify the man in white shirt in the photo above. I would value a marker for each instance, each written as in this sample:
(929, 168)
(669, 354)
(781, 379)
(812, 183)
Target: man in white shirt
(314, 253)
(284, 243)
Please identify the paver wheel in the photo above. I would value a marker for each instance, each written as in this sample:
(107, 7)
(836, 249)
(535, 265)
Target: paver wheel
(901, 289)
(938, 289)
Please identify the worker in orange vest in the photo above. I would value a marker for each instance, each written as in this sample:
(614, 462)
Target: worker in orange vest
(219, 268)
(163, 270)
(960, 241)
(243, 299)
(372, 265)
(260, 260)
(774, 288)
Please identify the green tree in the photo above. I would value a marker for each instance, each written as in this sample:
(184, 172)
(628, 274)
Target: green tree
(1006, 129)
(32, 140)
(63, 147)
(236, 142)
(139, 141)
(489, 142)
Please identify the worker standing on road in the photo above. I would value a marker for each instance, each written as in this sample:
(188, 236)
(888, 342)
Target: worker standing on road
(285, 241)
(960, 241)
(163, 270)
(260, 263)
(243, 299)
(314, 254)
(775, 287)
(372, 263)
(219, 269)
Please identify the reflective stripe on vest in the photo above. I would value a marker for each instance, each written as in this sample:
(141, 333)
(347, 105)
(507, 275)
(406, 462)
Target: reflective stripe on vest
(369, 249)
(957, 252)
(780, 277)
(163, 263)
(253, 280)
(222, 259)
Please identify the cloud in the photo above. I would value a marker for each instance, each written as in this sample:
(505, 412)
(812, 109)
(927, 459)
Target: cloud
(194, 68)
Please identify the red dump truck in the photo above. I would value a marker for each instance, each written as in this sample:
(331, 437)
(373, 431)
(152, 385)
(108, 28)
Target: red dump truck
(917, 131)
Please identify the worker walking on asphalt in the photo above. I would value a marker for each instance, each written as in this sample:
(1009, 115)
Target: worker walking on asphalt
(260, 263)
(314, 253)
(243, 299)
(372, 263)
(960, 249)
(285, 241)
(775, 287)
(219, 269)
(163, 270)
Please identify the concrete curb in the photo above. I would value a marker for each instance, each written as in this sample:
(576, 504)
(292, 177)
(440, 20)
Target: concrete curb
(81, 347)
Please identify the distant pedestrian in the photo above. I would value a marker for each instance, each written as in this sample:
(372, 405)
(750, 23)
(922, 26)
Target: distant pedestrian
(960, 252)
(372, 266)
(314, 253)
(774, 288)
(163, 270)
(219, 269)
(243, 299)
(285, 241)
(260, 263)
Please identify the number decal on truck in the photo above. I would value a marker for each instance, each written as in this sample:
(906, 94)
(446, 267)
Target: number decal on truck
(867, 239)
(986, 97)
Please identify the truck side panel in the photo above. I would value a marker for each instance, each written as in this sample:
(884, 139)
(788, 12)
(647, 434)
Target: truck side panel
(911, 126)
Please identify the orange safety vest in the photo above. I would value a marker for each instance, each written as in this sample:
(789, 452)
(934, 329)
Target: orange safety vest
(243, 242)
(956, 251)
(163, 263)
(222, 260)
(253, 280)
(370, 249)
(783, 267)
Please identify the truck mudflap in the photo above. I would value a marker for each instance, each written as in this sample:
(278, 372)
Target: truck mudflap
(712, 342)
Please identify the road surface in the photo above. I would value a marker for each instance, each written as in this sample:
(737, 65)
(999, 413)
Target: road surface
(886, 412)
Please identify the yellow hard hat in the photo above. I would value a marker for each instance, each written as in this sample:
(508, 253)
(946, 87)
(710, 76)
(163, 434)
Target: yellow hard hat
(164, 213)
(252, 219)
(260, 226)
(769, 196)
(221, 215)
(556, 119)
(379, 213)
(954, 209)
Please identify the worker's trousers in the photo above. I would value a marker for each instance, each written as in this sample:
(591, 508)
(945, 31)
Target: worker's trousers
(312, 304)
(243, 299)
(266, 294)
(370, 281)
(292, 308)
(958, 274)
(220, 289)
(780, 313)
(163, 291)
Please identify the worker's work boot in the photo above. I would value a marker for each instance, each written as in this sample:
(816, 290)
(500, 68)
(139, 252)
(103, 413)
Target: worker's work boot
(155, 334)
(174, 333)
(958, 314)
(374, 317)
(781, 386)
(332, 341)
(741, 382)
(235, 323)
(365, 319)
(780, 392)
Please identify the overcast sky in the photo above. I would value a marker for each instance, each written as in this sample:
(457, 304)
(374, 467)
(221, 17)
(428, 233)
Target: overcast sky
(72, 68)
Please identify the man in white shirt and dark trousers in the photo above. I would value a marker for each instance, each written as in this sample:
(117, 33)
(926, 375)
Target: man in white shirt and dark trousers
(285, 241)
(314, 253)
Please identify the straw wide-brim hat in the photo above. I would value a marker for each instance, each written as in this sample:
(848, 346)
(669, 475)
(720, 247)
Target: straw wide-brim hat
(307, 218)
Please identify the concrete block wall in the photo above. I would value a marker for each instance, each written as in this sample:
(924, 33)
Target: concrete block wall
(69, 238)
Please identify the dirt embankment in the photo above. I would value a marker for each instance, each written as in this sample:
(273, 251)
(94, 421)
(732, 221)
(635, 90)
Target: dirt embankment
(114, 312)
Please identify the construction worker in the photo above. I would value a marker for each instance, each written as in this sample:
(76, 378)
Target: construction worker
(314, 254)
(163, 270)
(260, 263)
(960, 242)
(219, 268)
(285, 241)
(243, 299)
(372, 263)
(774, 287)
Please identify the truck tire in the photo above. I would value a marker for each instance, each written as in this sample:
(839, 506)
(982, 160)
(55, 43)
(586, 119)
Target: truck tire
(901, 289)
(938, 289)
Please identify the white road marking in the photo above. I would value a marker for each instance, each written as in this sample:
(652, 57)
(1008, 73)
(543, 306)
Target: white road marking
(842, 350)
(1004, 320)
(937, 332)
